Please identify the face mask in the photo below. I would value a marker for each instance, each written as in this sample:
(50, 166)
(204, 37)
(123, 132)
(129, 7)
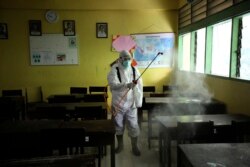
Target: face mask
(126, 63)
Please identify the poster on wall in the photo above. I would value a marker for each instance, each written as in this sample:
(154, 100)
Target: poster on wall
(149, 45)
(122, 42)
(53, 49)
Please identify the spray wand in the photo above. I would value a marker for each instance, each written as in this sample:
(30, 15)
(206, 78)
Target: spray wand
(125, 94)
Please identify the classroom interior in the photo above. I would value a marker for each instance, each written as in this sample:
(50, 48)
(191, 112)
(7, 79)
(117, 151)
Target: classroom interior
(96, 54)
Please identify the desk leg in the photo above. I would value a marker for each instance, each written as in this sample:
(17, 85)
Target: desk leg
(164, 158)
(161, 148)
(167, 148)
(100, 151)
(112, 152)
(164, 151)
(149, 128)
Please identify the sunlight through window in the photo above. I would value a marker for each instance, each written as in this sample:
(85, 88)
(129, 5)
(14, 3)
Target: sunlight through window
(186, 52)
(245, 50)
(200, 50)
(221, 48)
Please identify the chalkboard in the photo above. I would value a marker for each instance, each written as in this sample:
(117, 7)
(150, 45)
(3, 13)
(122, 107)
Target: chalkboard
(53, 49)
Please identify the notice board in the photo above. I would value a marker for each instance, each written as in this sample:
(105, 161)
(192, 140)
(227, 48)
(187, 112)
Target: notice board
(53, 49)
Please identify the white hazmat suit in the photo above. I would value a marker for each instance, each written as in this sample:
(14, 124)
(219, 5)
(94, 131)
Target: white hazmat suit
(124, 106)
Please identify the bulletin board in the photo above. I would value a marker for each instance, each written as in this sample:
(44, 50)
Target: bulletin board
(53, 49)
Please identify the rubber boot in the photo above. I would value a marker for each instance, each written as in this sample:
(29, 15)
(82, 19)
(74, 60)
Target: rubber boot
(120, 143)
(135, 148)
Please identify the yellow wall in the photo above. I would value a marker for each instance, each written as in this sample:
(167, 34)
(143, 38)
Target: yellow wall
(234, 93)
(95, 55)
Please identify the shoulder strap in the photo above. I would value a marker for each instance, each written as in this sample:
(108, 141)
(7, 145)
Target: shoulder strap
(118, 74)
(133, 72)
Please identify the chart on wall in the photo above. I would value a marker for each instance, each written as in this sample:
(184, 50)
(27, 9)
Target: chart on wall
(53, 49)
(149, 45)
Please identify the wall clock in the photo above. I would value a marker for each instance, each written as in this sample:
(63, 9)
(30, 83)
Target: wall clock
(51, 16)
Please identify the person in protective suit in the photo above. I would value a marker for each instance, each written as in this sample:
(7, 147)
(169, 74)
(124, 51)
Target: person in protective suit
(127, 94)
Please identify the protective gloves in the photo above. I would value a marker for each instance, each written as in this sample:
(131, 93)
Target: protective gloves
(134, 81)
(130, 85)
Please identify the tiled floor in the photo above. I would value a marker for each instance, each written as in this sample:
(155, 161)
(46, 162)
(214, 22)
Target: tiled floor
(148, 158)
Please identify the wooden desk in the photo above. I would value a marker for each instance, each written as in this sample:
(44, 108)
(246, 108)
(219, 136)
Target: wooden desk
(70, 107)
(179, 106)
(184, 105)
(74, 97)
(215, 155)
(22, 137)
(97, 97)
(52, 161)
(168, 126)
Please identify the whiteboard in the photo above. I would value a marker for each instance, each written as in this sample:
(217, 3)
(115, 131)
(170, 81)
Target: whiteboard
(53, 49)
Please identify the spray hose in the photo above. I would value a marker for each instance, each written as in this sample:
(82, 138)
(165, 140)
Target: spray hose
(135, 82)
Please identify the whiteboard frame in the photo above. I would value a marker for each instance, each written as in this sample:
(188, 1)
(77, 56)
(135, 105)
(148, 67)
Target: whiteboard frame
(53, 49)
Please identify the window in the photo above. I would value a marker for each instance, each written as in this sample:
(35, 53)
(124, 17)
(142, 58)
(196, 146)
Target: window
(245, 48)
(200, 50)
(221, 46)
(185, 53)
(218, 46)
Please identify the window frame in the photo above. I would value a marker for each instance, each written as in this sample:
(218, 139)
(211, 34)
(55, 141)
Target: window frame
(234, 13)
